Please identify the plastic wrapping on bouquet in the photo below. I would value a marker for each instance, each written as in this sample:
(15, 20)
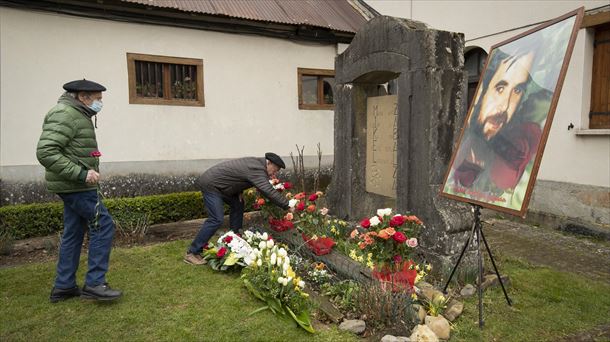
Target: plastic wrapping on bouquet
(320, 246)
(397, 278)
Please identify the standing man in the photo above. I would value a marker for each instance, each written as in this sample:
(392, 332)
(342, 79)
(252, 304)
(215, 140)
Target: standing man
(224, 183)
(67, 148)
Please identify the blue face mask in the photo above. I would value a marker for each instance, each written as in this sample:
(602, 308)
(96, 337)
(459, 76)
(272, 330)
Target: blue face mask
(96, 106)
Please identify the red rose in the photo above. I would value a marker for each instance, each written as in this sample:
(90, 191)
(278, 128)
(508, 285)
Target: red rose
(287, 185)
(300, 206)
(365, 223)
(227, 239)
(221, 252)
(313, 197)
(399, 237)
(397, 221)
(397, 259)
(96, 154)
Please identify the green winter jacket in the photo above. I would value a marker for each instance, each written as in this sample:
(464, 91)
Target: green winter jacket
(66, 145)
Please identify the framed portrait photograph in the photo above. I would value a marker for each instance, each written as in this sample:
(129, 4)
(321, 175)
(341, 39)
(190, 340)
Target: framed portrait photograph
(497, 156)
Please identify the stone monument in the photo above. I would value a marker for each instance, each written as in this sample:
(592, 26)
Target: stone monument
(393, 151)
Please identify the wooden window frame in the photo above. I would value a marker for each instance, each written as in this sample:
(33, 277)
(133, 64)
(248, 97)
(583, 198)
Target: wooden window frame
(165, 60)
(320, 73)
(599, 117)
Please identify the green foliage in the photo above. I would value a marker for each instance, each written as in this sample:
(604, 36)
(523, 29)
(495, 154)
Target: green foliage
(32, 220)
(343, 293)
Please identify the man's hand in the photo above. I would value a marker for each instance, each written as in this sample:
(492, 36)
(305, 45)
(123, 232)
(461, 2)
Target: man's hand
(92, 177)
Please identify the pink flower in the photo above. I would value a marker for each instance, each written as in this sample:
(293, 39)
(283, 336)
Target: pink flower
(95, 154)
(365, 223)
(289, 217)
(324, 211)
(412, 242)
(354, 233)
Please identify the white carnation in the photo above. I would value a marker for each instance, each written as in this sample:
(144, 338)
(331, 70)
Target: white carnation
(374, 221)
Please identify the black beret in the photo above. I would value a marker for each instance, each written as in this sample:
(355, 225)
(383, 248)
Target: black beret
(83, 85)
(275, 159)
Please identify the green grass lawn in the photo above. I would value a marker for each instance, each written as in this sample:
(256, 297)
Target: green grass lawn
(164, 299)
(547, 305)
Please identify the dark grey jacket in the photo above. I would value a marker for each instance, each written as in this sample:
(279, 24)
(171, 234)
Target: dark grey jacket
(231, 177)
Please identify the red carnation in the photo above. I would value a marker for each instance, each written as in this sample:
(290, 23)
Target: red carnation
(221, 252)
(365, 223)
(399, 237)
(313, 197)
(96, 154)
(287, 185)
(227, 239)
(397, 221)
(300, 206)
(397, 259)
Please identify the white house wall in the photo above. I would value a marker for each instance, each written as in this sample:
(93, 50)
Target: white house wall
(250, 86)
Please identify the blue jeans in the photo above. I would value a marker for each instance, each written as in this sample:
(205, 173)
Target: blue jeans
(213, 202)
(79, 215)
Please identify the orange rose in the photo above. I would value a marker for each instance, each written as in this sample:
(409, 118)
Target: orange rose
(362, 245)
(311, 208)
(384, 234)
(299, 196)
(260, 201)
(354, 233)
(289, 217)
(391, 231)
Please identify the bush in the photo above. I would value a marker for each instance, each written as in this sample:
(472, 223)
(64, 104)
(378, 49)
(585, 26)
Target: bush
(32, 220)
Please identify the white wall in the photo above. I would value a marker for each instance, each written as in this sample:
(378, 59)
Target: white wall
(250, 85)
(568, 157)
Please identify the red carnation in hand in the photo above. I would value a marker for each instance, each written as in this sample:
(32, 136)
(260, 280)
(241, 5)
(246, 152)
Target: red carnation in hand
(221, 252)
(397, 221)
(287, 185)
(365, 223)
(399, 237)
(96, 154)
(300, 206)
(313, 197)
(227, 239)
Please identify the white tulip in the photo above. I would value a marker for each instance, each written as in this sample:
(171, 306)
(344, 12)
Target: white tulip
(262, 245)
(301, 284)
(287, 260)
(265, 236)
(279, 261)
(259, 262)
(280, 280)
(283, 252)
(269, 243)
(285, 282)
(273, 257)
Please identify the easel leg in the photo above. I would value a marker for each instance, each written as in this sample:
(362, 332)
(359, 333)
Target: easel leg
(480, 287)
(495, 268)
(460, 258)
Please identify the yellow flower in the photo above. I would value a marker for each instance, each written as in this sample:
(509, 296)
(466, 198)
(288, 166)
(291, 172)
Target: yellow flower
(360, 258)
(428, 267)
(414, 296)
(370, 264)
(353, 255)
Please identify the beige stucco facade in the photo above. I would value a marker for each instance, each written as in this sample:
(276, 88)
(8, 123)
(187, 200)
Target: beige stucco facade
(250, 86)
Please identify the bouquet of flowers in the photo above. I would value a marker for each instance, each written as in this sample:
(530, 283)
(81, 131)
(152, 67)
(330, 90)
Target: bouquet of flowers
(230, 250)
(386, 243)
(270, 277)
(313, 222)
(277, 217)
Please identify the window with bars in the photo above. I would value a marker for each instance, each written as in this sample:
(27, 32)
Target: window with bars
(165, 80)
(316, 88)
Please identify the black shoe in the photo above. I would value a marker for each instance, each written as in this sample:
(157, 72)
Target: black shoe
(100, 292)
(58, 295)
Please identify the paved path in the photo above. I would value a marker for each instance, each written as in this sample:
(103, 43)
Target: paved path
(548, 247)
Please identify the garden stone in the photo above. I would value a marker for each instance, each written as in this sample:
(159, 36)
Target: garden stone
(468, 290)
(391, 338)
(454, 310)
(431, 293)
(356, 326)
(421, 315)
(491, 280)
(422, 333)
(439, 325)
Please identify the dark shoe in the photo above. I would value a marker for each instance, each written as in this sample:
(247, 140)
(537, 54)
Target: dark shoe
(100, 292)
(58, 295)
